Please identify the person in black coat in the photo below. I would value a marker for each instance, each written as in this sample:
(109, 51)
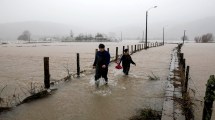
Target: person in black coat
(101, 62)
(126, 61)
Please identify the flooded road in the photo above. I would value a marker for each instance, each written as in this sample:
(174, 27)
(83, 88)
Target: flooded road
(201, 59)
(78, 99)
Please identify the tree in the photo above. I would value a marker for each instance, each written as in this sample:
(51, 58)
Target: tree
(26, 36)
(204, 38)
(207, 38)
(198, 39)
(71, 34)
(80, 37)
(100, 36)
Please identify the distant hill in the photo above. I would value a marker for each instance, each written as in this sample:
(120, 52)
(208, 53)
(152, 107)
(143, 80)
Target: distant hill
(10, 31)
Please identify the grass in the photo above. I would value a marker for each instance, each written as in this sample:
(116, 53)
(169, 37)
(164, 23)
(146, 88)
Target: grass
(186, 104)
(146, 114)
(153, 77)
(35, 92)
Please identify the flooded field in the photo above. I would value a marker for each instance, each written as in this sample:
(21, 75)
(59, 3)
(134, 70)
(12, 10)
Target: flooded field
(201, 59)
(21, 64)
(78, 99)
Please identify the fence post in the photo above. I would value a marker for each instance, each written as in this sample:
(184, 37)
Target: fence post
(209, 98)
(123, 49)
(108, 49)
(181, 57)
(78, 65)
(46, 73)
(131, 49)
(184, 64)
(116, 53)
(96, 51)
(135, 48)
(187, 78)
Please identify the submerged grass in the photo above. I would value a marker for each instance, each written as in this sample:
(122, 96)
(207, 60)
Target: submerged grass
(153, 77)
(186, 104)
(146, 114)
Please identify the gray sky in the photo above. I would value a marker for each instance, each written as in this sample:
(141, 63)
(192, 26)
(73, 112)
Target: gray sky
(106, 13)
(103, 12)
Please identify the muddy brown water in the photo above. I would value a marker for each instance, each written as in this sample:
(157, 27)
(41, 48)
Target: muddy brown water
(201, 59)
(78, 99)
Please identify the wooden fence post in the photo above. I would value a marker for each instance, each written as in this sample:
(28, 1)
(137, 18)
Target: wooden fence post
(131, 49)
(209, 98)
(46, 73)
(181, 57)
(78, 65)
(96, 51)
(108, 49)
(135, 48)
(184, 64)
(187, 78)
(123, 49)
(116, 54)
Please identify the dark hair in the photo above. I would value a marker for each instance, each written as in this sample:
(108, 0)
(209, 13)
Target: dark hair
(101, 46)
(126, 50)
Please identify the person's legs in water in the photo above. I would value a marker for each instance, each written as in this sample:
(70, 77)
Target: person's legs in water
(126, 69)
(97, 76)
(104, 74)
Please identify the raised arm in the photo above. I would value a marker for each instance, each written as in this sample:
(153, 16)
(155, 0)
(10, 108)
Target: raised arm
(133, 62)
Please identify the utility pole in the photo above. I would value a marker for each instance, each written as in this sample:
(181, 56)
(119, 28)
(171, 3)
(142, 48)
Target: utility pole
(184, 36)
(163, 35)
(146, 30)
(146, 46)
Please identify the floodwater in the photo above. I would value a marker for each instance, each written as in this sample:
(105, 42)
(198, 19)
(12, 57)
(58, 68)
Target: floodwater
(201, 59)
(78, 99)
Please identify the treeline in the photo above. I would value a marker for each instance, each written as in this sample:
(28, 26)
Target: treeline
(89, 37)
(206, 38)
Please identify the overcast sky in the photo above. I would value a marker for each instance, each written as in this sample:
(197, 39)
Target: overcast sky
(107, 14)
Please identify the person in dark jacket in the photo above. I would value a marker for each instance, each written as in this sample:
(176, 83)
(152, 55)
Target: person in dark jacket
(126, 61)
(101, 62)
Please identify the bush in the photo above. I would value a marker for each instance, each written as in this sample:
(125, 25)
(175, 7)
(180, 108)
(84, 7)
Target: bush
(204, 38)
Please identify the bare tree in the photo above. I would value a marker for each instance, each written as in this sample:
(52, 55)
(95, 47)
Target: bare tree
(26, 36)
(204, 38)
(71, 34)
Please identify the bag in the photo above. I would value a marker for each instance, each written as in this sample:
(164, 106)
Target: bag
(118, 66)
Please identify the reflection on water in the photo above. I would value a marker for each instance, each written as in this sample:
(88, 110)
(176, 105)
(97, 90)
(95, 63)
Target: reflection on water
(79, 99)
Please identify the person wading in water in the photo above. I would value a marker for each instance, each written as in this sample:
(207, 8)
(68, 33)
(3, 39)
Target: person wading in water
(126, 61)
(101, 62)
